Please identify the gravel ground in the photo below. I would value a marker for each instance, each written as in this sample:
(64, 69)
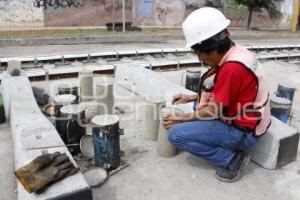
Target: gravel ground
(21, 51)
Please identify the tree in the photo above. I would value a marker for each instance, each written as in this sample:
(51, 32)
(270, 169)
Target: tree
(253, 5)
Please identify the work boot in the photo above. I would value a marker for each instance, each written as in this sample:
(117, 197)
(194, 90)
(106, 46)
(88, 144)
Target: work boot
(233, 171)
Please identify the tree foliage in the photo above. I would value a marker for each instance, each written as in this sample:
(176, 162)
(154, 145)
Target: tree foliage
(253, 5)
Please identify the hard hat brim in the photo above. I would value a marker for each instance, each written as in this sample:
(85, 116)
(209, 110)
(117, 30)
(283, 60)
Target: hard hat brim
(189, 45)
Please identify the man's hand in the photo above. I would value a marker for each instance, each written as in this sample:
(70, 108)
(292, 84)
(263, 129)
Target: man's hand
(172, 119)
(183, 98)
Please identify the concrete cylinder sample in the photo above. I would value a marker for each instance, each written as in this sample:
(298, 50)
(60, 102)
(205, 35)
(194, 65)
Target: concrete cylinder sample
(105, 96)
(286, 90)
(281, 108)
(90, 108)
(86, 84)
(69, 89)
(150, 116)
(14, 67)
(164, 147)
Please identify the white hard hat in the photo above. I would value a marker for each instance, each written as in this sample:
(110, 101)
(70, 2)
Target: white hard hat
(202, 24)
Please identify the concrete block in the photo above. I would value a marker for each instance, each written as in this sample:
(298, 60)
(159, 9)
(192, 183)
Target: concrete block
(278, 147)
(14, 67)
(30, 128)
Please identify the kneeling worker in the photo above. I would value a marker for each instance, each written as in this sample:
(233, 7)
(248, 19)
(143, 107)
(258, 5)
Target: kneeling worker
(224, 128)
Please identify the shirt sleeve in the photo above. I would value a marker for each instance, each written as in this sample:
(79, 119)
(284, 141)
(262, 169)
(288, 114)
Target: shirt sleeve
(228, 84)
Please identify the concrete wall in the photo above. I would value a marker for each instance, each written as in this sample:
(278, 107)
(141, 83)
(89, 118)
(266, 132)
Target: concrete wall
(169, 12)
(88, 13)
(23, 13)
(20, 13)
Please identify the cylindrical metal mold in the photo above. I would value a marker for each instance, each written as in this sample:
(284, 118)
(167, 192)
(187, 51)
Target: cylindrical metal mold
(193, 77)
(106, 138)
(105, 96)
(150, 116)
(164, 147)
(86, 84)
(59, 102)
(286, 90)
(72, 126)
(281, 108)
(2, 111)
(69, 89)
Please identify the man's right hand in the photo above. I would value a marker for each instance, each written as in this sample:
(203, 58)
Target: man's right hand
(181, 99)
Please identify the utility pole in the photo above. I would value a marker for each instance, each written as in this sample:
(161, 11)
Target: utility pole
(113, 22)
(294, 22)
(123, 11)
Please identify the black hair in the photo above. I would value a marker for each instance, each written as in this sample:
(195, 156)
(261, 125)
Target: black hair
(220, 42)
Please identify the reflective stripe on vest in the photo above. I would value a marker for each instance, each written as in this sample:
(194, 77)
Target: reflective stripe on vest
(261, 104)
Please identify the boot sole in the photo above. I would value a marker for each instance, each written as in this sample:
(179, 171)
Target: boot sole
(238, 176)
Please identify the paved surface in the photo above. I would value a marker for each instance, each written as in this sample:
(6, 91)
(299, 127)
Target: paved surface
(185, 176)
(188, 177)
(182, 177)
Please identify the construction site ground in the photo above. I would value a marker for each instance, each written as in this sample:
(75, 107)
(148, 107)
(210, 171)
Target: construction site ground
(151, 177)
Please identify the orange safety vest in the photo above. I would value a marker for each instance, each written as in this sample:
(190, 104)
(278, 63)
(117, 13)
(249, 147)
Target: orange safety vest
(261, 104)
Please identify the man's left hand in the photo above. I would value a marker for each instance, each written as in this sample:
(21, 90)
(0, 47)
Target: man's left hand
(172, 119)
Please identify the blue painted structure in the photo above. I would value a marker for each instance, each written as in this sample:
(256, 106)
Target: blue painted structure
(144, 9)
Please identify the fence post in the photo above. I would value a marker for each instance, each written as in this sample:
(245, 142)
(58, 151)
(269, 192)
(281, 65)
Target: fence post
(295, 15)
(123, 5)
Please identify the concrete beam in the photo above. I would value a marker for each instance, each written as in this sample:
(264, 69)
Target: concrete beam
(145, 82)
(278, 147)
(30, 128)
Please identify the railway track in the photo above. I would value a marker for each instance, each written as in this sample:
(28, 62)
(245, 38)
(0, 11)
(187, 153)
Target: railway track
(68, 65)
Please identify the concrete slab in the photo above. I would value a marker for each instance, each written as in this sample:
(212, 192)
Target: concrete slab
(8, 182)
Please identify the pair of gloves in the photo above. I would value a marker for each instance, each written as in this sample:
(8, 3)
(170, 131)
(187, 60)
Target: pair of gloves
(45, 170)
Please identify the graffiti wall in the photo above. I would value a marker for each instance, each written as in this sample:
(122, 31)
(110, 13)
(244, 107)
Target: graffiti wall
(20, 13)
(58, 13)
(86, 13)
(167, 10)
